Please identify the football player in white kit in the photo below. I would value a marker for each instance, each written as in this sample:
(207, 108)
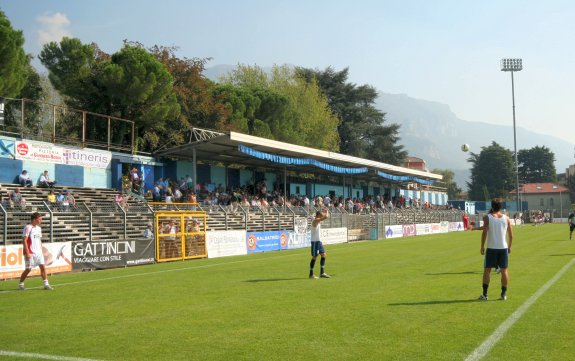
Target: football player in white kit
(498, 233)
(32, 247)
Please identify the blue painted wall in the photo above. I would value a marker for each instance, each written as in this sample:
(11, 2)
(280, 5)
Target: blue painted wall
(185, 168)
(246, 177)
(70, 175)
(219, 176)
(293, 188)
(148, 172)
(10, 168)
(96, 178)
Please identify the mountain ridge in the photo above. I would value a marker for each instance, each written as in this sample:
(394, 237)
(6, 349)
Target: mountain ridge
(431, 131)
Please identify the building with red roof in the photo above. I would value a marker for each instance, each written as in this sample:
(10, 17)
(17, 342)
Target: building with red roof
(546, 197)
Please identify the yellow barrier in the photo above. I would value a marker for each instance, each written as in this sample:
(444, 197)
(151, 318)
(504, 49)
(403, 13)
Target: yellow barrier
(180, 235)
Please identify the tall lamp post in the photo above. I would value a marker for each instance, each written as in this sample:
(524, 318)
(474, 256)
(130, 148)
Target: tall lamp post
(513, 65)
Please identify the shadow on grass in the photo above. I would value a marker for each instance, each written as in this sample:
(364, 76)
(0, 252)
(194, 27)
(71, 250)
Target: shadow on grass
(454, 273)
(274, 279)
(438, 302)
(16, 290)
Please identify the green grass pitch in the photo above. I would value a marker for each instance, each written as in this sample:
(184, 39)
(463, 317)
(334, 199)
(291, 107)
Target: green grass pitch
(400, 299)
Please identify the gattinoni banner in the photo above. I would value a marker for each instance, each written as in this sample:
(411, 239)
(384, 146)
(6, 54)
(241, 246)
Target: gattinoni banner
(110, 254)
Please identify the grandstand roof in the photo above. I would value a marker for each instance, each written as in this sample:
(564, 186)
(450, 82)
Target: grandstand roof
(225, 148)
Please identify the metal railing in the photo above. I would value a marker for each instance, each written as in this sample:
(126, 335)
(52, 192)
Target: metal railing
(31, 119)
(101, 221)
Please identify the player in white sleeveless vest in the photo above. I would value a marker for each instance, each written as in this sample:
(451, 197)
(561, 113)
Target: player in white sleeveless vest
(316, 245)
(498, 233)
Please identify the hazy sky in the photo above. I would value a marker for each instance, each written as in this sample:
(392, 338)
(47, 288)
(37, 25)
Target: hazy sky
(443, 50)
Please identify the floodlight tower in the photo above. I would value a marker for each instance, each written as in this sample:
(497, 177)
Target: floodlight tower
(513, 65)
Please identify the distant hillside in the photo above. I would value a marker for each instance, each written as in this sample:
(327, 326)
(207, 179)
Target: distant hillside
(431, 131)
(215, 72)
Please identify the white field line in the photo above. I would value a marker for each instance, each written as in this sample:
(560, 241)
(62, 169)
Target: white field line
(158, 272)
(498, 334)
(42, 357)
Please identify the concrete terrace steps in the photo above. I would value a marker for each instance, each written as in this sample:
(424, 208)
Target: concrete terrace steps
(74, 224)
(81, 194)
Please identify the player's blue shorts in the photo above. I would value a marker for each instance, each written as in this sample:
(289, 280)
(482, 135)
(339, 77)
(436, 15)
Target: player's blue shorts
(496, 258)
(316, 248)
(572, 226)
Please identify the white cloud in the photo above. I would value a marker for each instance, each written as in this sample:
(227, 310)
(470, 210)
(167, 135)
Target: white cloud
(53, 27)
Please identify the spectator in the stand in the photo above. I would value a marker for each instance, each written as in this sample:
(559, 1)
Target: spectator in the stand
(51, 198)
(70, 199)
(245, 202)
(177, 195)
(16, 198)
(305, 201)
(189, 182)
(60, 199)
(327, 201)
(121, 200)
(234, 203)
(264, 203)
(136, 180)
(24, 179)
(45, 180)
(149, 231)
(169, 245)
(349, 205)
(169, 197)
(165, 185)
(66, 202)
(156, 193)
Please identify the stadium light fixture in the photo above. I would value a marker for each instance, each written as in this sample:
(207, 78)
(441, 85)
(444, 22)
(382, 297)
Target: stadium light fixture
(512, 65)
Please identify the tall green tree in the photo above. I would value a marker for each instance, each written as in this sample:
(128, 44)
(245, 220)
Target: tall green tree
(290, 109)
(199, 105)
(130, 84)
(537, 165)
(33, 92)
(241, 104)
(363, 131)
(140, 88)
(14, 63)
(492, 173)
(18, 79)
(453, 191)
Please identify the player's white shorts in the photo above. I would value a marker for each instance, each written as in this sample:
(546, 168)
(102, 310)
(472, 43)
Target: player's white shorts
(34, 261)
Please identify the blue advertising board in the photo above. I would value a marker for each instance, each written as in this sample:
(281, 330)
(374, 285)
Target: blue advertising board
(266, 241)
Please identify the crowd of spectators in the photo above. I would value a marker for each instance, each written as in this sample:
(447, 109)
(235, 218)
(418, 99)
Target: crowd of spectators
(258, 195)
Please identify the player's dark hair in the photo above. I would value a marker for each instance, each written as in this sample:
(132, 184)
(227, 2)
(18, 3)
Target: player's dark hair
(318, 213)
(35, 215)
(496, 204)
